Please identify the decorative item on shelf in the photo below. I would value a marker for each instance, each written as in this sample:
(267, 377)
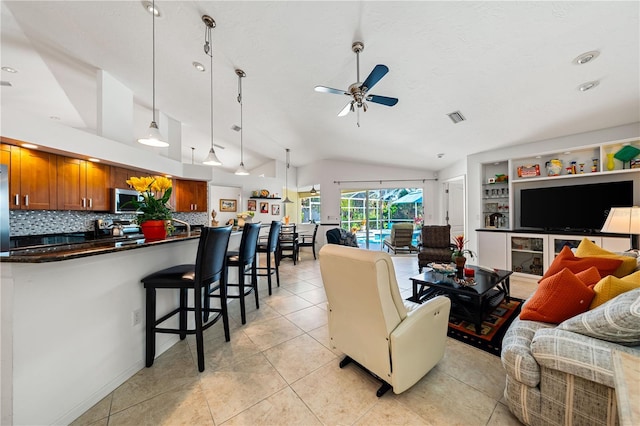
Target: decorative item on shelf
(574, 169)
(155, 217)
(626, 154)
(530, 170)
(594, 166)
(255, 193)
(458, 254)
(554, 167)
(610, 163)
(502, 178)
(581, 168)
(635, 164)
(264, 193)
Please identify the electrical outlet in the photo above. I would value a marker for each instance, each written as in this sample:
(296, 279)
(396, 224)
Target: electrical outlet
(136, 317)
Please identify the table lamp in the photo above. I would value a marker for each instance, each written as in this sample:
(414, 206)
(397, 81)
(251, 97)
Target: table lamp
(624, 220)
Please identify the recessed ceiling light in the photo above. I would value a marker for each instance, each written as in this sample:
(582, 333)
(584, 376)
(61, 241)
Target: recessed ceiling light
(198, 66)
(440, 155)
(236, 127)
(30, 145)
(94, 160)
(9, 69)
(586, 57)
(588, 86)
(148, 6)
(5, 83)
(54, 117)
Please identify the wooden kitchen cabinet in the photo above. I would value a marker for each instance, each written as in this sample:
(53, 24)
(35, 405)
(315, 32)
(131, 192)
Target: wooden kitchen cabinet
(190, 195)
(120, 175)
(82, 185)
(32, 178)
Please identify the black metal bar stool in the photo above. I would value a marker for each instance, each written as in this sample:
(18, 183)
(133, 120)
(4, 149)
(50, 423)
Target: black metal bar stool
(208, 270)
(243, 259)
(270, 247)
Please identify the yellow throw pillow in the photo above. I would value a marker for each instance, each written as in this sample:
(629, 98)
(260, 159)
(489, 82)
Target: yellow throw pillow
(610, 287)
(587, 248)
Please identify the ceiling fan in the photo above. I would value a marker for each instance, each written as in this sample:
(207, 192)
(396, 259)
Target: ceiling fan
(359, 91)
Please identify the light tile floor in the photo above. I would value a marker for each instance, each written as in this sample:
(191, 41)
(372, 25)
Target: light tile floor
(278, 369)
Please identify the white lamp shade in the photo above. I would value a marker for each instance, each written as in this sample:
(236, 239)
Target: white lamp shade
(623, 220)
(212, 159)
(241, 170)
(153, 137)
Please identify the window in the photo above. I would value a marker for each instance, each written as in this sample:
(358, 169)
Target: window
(310, 209)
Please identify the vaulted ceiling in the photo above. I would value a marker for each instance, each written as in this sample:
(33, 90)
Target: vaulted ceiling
(507, 66)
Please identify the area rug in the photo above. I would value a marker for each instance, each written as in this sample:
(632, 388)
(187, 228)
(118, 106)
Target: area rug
(494, 327)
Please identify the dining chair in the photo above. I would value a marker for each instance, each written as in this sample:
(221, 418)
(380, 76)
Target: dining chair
(288, 243)
(309, 240)
(208, 274)
(245, 260)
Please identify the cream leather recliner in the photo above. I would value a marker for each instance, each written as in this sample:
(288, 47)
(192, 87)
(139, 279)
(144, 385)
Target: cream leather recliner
(396, 340)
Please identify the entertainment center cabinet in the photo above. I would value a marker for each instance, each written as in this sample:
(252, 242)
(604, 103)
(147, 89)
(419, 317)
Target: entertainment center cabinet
(504, 243)
(529, 253)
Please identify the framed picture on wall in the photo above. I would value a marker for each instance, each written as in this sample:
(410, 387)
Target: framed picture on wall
(275, 209)
(264, 207)
(251, 205)
(227, 205)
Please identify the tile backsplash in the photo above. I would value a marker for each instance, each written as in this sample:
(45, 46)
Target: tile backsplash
(37, 222)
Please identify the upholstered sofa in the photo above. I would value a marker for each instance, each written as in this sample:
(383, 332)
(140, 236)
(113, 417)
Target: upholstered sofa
(562, 374)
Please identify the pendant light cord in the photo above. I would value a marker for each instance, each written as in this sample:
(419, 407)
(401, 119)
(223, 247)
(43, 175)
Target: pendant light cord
(209, 51)
(241, 124)
(153, 56)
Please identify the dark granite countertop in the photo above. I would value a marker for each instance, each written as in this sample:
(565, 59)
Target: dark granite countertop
(59, 252)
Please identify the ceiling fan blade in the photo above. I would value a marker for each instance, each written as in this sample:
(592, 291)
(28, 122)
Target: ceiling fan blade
(348, 107)
(382, 100)
(323, 89)
(378, 72)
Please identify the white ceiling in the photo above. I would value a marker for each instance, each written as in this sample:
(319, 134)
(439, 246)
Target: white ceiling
(507, 66)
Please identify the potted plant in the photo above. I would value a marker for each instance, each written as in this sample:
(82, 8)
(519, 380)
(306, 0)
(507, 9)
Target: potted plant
(458, 254)
(155, 214)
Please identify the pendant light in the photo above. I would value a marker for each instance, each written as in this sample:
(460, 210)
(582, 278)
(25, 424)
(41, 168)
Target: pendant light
(153, 137)
(313, 190)
(212, 158)
(241, 170)
(286, 181)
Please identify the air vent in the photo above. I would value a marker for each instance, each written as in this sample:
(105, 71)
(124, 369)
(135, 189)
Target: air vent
(456, 117)
(5, 83)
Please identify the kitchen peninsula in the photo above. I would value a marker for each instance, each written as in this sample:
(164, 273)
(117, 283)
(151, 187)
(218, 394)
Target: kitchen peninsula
(72, 327)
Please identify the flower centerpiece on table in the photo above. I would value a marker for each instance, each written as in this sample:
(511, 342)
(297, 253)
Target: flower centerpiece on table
(153, 206)
(459, 251)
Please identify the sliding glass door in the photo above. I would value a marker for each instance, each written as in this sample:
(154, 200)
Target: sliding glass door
(370, 213)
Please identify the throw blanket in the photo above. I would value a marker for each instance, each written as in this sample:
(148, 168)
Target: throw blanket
(341, 237)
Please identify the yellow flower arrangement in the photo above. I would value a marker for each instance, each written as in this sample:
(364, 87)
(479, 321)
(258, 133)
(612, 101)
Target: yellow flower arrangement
(155, 192)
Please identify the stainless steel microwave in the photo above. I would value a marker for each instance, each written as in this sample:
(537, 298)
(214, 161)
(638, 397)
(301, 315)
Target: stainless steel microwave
(121, 200)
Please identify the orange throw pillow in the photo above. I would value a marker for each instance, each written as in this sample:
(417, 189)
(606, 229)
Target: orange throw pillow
(590, 277)
(558, 298)
(566, 259)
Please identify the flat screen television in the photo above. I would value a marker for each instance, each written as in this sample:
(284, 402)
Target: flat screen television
(573, 207)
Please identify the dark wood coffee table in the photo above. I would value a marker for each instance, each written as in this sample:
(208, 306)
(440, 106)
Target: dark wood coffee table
(469, 303)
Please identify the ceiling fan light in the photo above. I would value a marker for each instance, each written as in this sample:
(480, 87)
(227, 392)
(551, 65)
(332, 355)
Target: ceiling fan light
(153, 137)
(212, 159)
(241, 170)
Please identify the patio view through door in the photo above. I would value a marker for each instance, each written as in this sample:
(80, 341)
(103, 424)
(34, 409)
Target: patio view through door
(370, 213)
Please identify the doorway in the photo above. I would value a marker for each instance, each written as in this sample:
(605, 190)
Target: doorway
(454, 205)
